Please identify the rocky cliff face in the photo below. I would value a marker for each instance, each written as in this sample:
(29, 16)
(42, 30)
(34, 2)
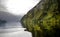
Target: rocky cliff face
(44, 19)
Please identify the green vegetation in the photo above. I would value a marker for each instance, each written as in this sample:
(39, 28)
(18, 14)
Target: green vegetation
(44, 19)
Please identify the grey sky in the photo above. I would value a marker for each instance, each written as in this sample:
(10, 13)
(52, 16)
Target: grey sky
(6, 15)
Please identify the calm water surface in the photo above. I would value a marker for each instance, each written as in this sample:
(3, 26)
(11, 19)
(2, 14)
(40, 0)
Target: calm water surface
(14, 29)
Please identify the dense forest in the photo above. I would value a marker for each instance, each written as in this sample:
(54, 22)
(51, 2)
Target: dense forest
(44, 19)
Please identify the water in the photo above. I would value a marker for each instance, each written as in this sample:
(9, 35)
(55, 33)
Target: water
(14, 29)
(13, 25)
(16, 34)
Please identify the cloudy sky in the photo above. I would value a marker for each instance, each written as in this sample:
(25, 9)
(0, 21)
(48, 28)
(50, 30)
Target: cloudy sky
(13, 10)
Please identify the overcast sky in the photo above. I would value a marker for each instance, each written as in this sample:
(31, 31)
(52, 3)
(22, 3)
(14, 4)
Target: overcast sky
(13, 10)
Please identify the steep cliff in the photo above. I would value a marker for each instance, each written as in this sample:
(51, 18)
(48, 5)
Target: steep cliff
(44, 19)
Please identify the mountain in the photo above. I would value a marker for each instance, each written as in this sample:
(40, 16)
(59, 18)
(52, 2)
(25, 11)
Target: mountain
(44, 19)
(9, 17)
(2, 22)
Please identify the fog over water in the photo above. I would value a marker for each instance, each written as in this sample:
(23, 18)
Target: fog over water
(13, 14)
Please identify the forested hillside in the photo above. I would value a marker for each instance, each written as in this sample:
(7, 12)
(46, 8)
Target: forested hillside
(44, 19)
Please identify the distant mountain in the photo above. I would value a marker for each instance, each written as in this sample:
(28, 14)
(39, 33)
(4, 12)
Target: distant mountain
(2, 23)
(44, 19)
(9, 17)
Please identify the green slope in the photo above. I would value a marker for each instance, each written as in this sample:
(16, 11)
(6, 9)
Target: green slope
(44, 19)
